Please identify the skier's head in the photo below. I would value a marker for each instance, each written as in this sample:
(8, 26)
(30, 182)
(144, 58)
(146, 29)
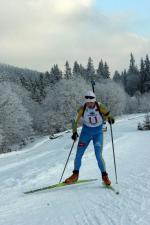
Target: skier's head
(90, 97)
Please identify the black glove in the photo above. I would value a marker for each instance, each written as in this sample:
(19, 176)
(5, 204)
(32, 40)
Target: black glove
(75, 136)
(111, 120)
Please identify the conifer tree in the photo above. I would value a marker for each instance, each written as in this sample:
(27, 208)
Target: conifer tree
(117, 77)
(142, 76)
(124, 79)
(82, 71)
(147, 68)
(132, 78)
(55, 74)
(132, 67)
(90, 71)
(76, 69)
(106, 71)
(67, 73)
(100, 70)
(41, 87)
(47, 78)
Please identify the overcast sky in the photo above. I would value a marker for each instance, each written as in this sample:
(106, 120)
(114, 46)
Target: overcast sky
(39, 33)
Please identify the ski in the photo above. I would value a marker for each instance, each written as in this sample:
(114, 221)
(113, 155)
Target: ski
(62, 184)
(110, 187)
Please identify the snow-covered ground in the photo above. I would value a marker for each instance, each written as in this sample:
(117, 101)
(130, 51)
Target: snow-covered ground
(83, 204)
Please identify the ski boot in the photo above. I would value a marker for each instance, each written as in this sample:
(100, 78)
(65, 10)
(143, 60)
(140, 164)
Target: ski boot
(105, 178)
(73, 178)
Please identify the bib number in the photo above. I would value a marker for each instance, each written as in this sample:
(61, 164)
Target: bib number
(93, 119)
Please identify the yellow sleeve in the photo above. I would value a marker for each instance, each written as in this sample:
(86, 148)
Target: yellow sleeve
(77, 119)
(105, 112)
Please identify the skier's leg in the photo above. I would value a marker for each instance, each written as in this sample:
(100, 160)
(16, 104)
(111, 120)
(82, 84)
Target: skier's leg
(82, 145)
(98, 147)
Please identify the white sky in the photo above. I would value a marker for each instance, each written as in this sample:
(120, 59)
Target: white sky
(39, 33)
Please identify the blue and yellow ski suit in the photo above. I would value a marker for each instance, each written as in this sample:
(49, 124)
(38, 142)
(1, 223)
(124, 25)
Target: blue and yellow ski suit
(92, 130)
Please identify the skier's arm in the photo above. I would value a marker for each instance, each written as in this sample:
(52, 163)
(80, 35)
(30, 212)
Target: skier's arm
(77, 119)
(106, 114)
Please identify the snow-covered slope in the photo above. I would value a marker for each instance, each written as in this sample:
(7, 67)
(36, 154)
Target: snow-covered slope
(83, 204)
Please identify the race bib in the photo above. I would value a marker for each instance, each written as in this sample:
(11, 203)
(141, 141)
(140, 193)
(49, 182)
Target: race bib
(92, 118)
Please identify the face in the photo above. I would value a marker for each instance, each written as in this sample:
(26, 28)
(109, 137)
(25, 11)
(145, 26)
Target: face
(90, 104)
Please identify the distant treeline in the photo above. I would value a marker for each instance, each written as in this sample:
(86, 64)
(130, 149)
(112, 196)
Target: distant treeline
(33, 103)
(134, 79)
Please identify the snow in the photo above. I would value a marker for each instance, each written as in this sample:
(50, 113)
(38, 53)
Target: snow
(82, 204)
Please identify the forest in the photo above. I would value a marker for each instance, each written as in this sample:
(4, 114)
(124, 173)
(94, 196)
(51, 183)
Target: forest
(37, 104)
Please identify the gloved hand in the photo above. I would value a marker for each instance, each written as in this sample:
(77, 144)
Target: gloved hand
(111, 120)
(75, 136)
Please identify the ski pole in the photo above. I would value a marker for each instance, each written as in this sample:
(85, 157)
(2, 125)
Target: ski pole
(66, 162)
(112, 139)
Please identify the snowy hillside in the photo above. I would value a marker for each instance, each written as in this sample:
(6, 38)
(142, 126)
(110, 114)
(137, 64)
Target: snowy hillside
(13, 72)
(83, 204)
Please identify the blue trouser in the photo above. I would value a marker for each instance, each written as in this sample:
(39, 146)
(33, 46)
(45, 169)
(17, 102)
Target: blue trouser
(88, 134)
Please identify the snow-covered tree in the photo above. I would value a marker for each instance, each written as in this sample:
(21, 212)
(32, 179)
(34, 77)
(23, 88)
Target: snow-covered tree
(147, 68)
(61, 103)
(76, 69)
(103, 71)
(112, 95)
(142, 76)
(144, 103)
(117, 77)
(146, 123)
(132, 105)
(106, 71)
(67, 74)
(100, 70)
(90, 71)
(132, 78)
(1, 139)
(55, 74)
(15, 121)
(33, 107)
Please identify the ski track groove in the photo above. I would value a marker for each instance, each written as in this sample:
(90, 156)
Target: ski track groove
(98, 210)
